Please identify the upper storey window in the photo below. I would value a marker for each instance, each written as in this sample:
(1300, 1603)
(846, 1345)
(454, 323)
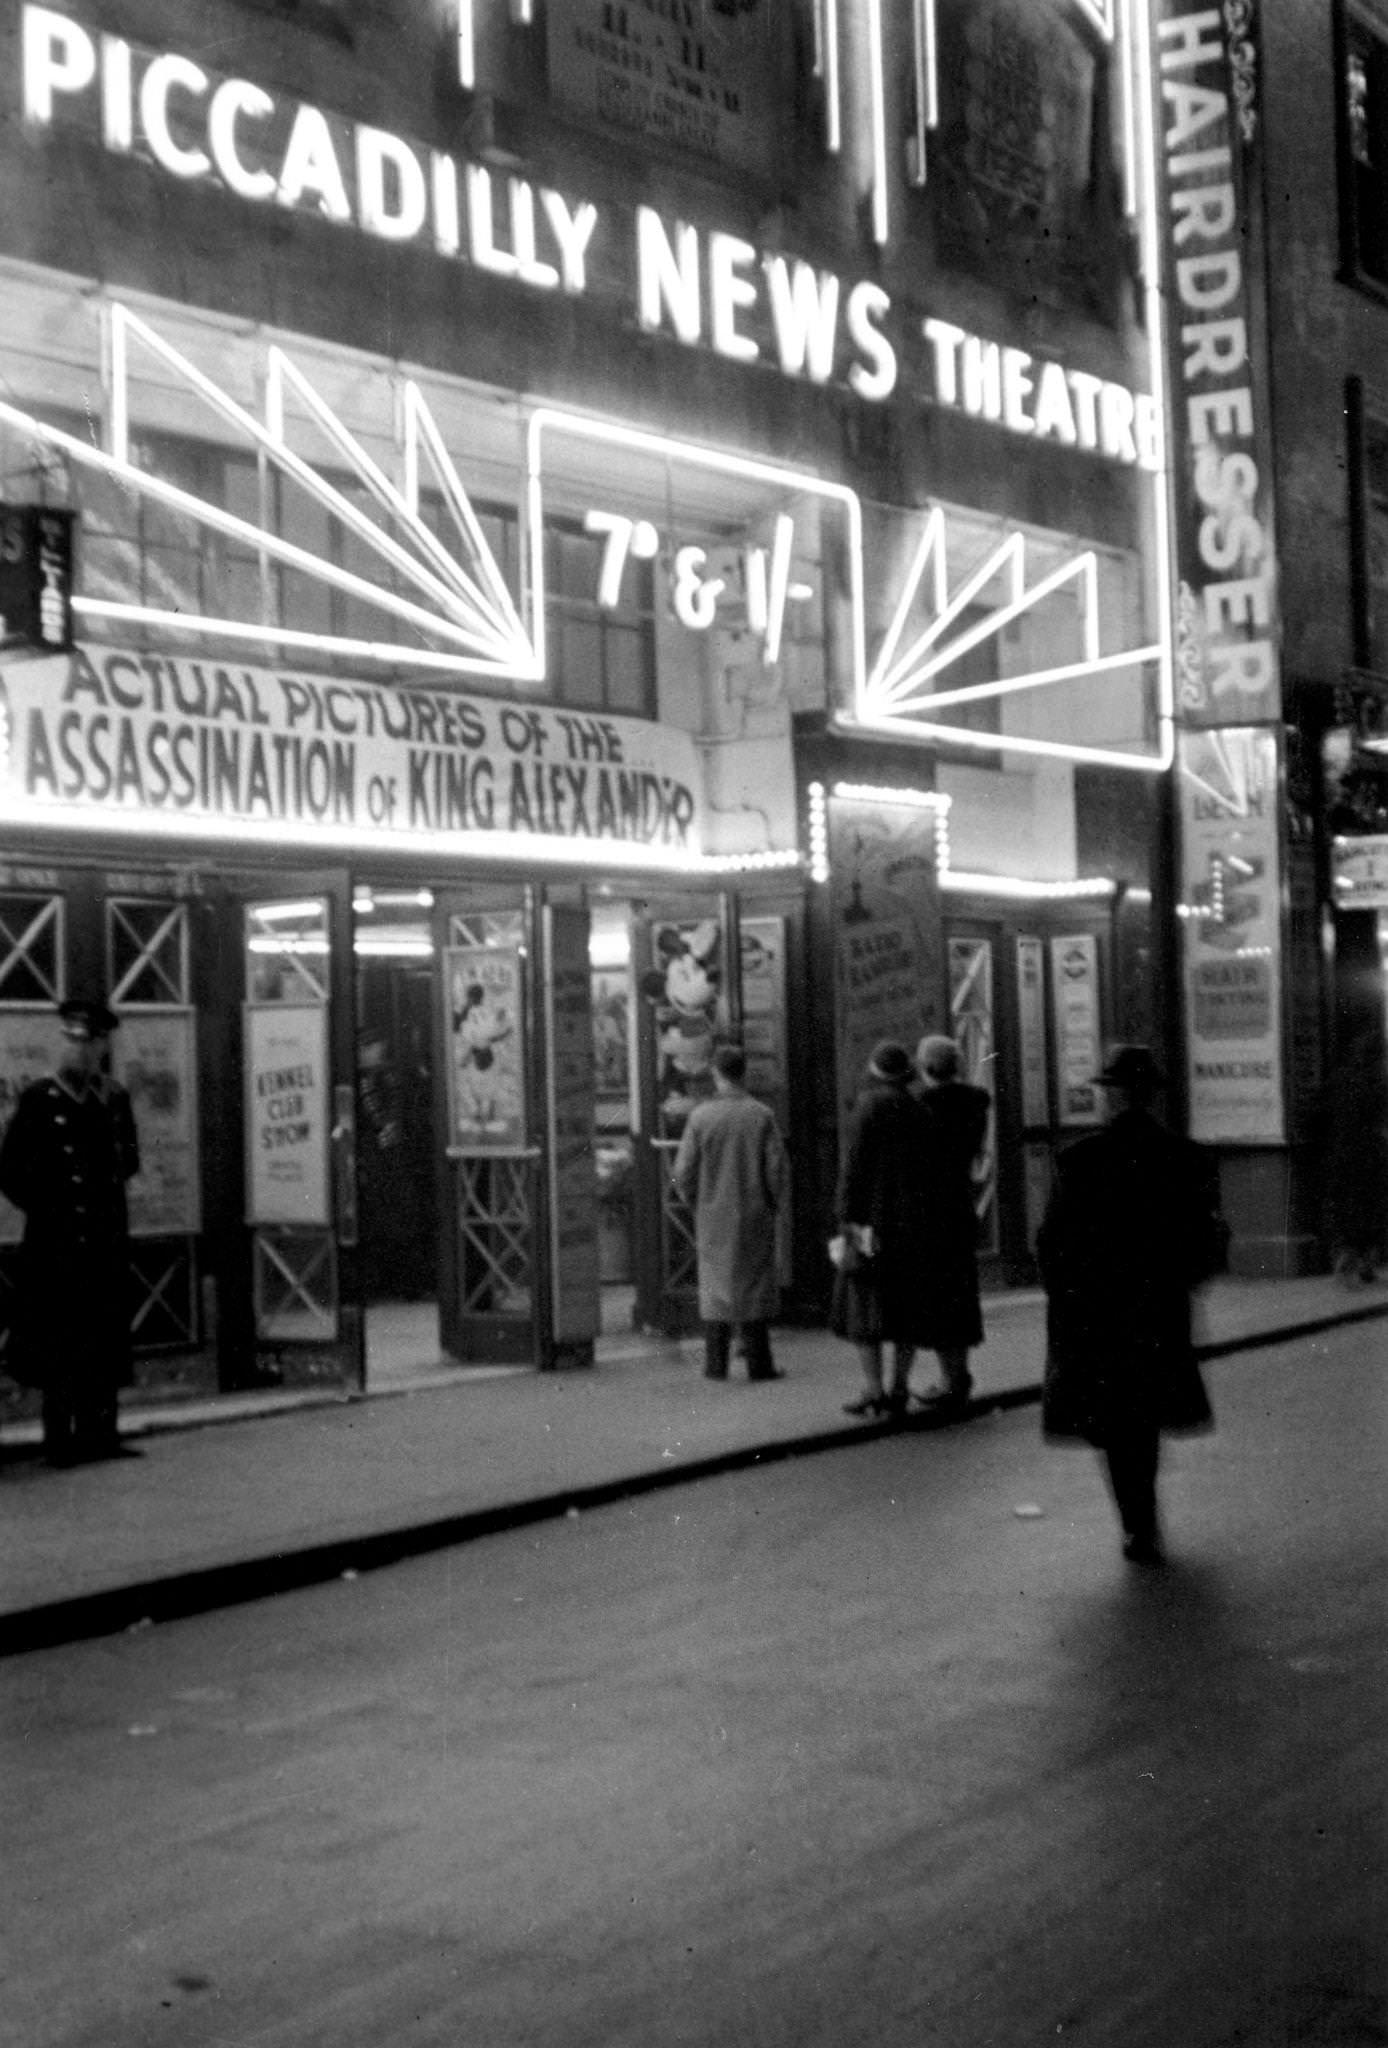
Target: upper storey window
(1364, 132)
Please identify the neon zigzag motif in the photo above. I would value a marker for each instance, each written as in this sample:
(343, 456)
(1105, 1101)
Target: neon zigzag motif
(466, 612)
(898, 687)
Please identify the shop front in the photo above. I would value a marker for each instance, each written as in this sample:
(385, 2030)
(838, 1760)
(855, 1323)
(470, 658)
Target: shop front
(400, 1111)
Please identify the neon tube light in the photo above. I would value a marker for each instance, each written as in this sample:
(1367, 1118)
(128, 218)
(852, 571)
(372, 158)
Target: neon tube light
(879, 123)
(1017, 888)
(467, 46)
(547, 419)
(833, 112)
(531, 848)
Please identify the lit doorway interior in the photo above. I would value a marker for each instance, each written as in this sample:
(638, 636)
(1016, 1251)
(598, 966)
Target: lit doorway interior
(614, 1136)
(396, 1166)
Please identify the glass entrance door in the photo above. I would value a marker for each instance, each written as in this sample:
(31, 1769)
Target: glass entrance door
(299, 1108)
(684, 947)
(490, 1271)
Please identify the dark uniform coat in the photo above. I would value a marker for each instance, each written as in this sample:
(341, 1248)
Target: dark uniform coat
(900, 1178)
(64, 1161)
(731, 1169)
(1132, 1226)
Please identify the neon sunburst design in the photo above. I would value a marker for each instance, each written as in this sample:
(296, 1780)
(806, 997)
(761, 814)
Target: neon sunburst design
(900, 690)
(458, 604)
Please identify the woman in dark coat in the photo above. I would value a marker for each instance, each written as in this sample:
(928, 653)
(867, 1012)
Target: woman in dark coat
(889, 1200)
(1132, 1226)
(957, 1117)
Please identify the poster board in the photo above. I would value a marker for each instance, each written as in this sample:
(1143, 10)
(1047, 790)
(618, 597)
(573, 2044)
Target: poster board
(1228, 785)
(484, 1038)
(888, 932)
(1079, 1050)
(763, 943)
(573, 1190)
(287, 1114)
(1031, 1031)
(154, 1057)
(30, 1040)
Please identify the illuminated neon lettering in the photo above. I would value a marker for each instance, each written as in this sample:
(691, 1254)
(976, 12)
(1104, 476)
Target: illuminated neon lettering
(573, 229)
(1017, 387)
(237, 96)
(529, 268)
(875, 377)
(57, 57)
(443, 186)
(117, 94)
(311, 167)
(729, 290)
(667, 278)
(1054, 418)
(804, 317)
(161, 78)
(482, 243)
(382, 160)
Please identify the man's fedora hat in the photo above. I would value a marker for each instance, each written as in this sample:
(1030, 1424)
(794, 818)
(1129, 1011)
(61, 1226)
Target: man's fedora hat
(1131, 1066)
(87, 1017)
(890, 1062)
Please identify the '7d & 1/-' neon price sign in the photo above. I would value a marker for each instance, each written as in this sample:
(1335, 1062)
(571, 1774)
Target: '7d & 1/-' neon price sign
(693, 593)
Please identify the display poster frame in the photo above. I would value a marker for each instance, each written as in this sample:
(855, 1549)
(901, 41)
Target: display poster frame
(1229, 793)
(154, 1057)
(1031, 1031)
(889, 949)
(704, 82)
(575, 1284)
(1078, 1025)
(287, 1093)
(485, 1067)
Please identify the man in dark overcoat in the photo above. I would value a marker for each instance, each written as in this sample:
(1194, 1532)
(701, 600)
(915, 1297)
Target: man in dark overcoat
(66, 1157)
(956, 1120)
(1133, 1225)
(731, 1169)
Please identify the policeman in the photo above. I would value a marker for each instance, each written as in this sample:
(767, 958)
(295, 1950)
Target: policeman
(65, 1159)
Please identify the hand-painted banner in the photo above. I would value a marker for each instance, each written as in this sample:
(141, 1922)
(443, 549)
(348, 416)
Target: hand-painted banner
(109, 729)
(1213, 256)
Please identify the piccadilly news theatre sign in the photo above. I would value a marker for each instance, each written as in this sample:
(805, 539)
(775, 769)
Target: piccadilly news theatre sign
(105, 736)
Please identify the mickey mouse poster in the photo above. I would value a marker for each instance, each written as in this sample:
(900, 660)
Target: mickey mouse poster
(685, 991)
(486, 1067)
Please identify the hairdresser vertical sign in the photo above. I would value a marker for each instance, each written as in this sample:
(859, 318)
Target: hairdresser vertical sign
(1226, 628)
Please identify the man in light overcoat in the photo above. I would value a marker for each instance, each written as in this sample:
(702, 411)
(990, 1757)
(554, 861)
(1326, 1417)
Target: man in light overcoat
(731, 1169)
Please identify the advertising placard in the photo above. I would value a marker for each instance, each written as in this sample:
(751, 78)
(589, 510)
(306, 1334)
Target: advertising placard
(1228, 786)
(888, 937)
(153, 1056)
(694, 77)
(1031, 1031)
(572, 1112)
(1078, 1026)
(105, 729)
(30, 1041)
(763, 943)
(287, 1123)
(484, 1032)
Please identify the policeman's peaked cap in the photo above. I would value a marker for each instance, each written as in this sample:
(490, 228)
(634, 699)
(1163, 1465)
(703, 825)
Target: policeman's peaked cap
(89, 1015)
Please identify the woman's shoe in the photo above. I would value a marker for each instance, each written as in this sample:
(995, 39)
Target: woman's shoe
(869, 1405)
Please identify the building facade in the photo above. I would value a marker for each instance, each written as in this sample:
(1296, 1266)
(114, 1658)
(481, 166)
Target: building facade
(541, 535)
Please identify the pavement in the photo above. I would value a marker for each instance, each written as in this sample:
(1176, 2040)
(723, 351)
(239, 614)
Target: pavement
(250, 1496)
